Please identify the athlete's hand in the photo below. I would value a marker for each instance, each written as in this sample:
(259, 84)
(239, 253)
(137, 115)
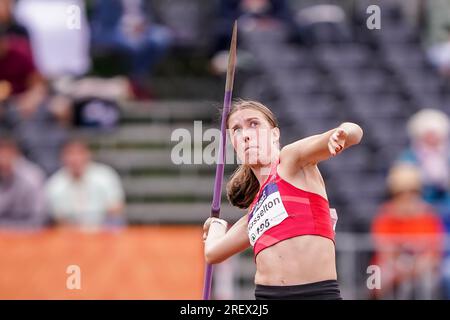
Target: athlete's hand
(337, 141)
(207, 224)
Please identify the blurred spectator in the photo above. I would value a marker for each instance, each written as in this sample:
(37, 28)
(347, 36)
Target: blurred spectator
(59, 35)
(429, 150)
(26, 107)
(253, 15)
(95, 100)
(323, 23)
(17, 70)
(85, 193)
(126, 27)
(428, 131)
(39, 121)
(8, 20)
(22, 197)
(408, 238)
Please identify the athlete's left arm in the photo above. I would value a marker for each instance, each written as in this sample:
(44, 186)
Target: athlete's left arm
(313, 149)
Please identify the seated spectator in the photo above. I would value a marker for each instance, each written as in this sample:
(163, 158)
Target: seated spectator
(408, 239)
(22, 196)
(125, 26)
(85, 193)
(323, 23)
(428, 131)
(253, 15)
(17, 70)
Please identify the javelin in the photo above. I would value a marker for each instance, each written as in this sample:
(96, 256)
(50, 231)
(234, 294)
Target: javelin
(215, 207)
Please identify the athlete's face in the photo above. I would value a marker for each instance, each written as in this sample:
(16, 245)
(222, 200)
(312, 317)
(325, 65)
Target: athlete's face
(252, 137)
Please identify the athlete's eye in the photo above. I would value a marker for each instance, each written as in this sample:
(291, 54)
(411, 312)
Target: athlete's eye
(254, 124)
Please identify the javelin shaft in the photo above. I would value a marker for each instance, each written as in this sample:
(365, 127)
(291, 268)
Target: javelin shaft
(217, 195)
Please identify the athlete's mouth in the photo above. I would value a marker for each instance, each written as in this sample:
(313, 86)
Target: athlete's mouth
(250, 147)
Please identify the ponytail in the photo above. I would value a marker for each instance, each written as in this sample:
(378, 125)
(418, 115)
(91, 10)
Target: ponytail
(242, 187)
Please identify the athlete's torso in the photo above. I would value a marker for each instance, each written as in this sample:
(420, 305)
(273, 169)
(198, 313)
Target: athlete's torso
(290, 229)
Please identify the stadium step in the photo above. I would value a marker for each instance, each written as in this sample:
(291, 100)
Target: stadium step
(160, 187)
(169, 111)
(141, 135)
(133, 161)
(178, 213)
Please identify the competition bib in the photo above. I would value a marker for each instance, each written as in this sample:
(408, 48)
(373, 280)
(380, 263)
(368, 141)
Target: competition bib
(268, 212)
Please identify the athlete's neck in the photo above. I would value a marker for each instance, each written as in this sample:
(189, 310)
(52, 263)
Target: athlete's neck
(262, 171)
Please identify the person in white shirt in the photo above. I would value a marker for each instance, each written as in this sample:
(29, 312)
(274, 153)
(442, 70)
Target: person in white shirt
(83, 192)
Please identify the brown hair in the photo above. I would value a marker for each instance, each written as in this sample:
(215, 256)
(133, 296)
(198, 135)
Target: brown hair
(243, 185)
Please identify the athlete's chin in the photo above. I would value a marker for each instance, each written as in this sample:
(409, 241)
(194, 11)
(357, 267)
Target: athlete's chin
(254, 160)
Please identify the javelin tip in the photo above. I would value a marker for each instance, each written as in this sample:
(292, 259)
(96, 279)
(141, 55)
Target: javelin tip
(231, 60)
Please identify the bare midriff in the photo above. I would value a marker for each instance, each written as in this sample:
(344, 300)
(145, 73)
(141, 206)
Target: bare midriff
(295, 261)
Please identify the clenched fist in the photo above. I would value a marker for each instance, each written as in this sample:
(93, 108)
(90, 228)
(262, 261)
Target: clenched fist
(337, 141)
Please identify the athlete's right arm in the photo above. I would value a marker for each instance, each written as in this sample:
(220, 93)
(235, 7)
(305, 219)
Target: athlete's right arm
(221, 244)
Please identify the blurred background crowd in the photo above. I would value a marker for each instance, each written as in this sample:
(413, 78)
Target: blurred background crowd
(91, 90)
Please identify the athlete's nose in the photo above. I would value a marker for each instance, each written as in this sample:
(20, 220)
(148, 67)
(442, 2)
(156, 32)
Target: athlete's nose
(246, 135)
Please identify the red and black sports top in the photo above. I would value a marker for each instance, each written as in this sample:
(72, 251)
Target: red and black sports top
(281, 211)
